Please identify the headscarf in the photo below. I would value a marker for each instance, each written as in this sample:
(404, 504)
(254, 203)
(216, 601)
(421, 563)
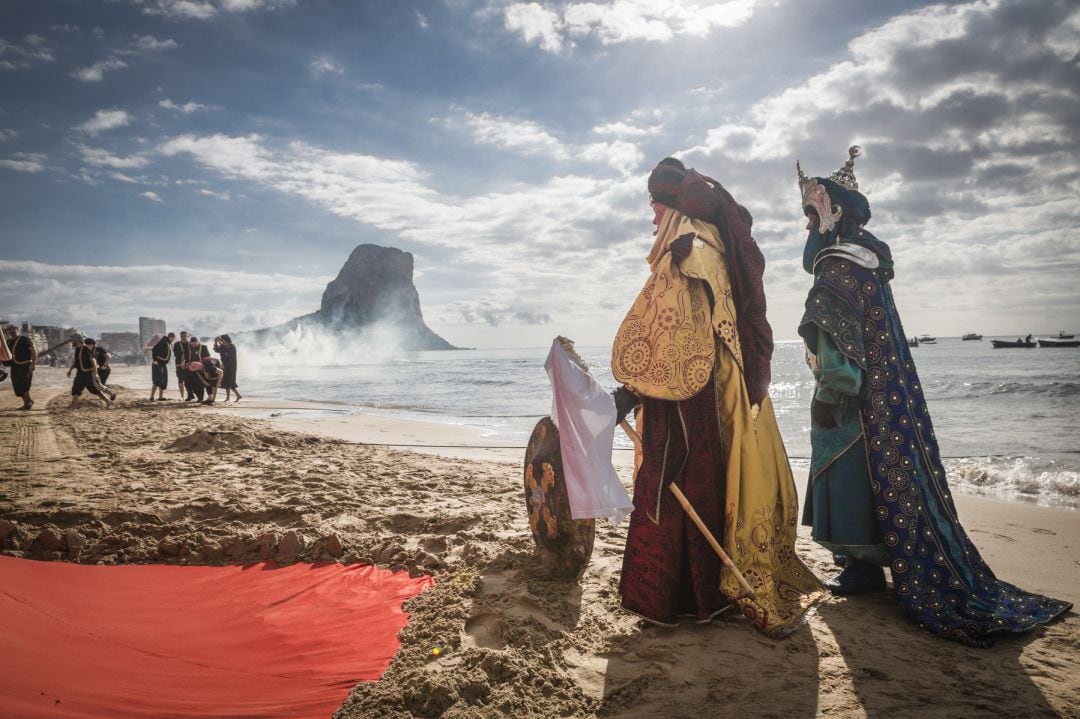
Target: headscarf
(701, 197)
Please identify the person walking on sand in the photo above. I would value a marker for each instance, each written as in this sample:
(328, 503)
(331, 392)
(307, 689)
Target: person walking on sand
(227, 351)
(85, 367)
(696, 348)
(878, 495)
(23, 361)
(159, 365)
(182, 355)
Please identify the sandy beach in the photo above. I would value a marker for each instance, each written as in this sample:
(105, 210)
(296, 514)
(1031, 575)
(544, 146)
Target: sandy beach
(174, 482)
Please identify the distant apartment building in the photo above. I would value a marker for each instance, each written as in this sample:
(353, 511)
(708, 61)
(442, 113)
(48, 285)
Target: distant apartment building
(148, 327)
(122, 342)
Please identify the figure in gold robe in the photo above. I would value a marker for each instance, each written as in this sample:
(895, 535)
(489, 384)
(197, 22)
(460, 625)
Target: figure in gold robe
(701, 371)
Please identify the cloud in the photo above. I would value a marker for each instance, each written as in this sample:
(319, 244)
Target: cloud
(149, 43)
(324, 65)
(103, 158)
(528, 138)
(206, 9)
(422, 21)
(535, 23)
(621, 21)
(33, 49)
(96, 72)
(187, 108)
(56, 294)
(151, 195)
(31, 162)
(104, 120)
(6, 135)
(969, 116)
(492, 312)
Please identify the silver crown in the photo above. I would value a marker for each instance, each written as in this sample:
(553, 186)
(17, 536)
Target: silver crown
(845, 176)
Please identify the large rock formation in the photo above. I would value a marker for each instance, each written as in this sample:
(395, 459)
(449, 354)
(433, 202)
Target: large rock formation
(374, 288)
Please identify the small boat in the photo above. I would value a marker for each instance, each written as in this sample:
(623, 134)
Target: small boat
(927, 338)
(913, 342)
(971, 336)
(1005, 344)
(1062, 336)
(1053, 342)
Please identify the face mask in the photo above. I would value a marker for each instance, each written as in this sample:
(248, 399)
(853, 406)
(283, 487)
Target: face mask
(815, 243)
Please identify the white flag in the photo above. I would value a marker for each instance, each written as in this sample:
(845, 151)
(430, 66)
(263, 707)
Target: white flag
(585, 416)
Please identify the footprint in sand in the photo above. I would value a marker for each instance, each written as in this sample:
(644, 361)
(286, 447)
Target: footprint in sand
(484, 631)
(1040, 530)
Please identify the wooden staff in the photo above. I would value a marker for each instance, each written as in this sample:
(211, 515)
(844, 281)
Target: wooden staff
(748, 591)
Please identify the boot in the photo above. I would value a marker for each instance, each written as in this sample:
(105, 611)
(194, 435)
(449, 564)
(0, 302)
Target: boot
(857, 578)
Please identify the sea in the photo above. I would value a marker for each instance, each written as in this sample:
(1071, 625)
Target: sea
(1006, 419)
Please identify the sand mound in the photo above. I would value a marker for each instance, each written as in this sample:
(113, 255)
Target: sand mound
(203, 440)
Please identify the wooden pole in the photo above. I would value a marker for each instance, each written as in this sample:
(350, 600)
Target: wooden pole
(748, 591)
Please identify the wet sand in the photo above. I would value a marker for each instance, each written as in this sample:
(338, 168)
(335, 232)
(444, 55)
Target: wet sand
(175, 482)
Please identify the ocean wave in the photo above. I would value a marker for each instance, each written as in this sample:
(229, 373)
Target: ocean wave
(1017, 477)
(1038, 389)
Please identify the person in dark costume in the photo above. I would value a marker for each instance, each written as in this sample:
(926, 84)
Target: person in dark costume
(159, 365)
(85, 367)
(102, 356)
(195, 350)
(182, 355)
(696, 347)
(97, 377)
(227, 351)
(878, 495)
(197, 381)
(210, 375)
(22, 363)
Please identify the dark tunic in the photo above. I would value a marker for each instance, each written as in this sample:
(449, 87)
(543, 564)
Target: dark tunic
(84, 373)
(21, 361)
(102, 357)
(669, 569)
(228, 366)
(159, 366)
(939, 576)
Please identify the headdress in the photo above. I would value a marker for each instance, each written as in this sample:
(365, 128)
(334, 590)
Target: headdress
(665, 181)
(845, 176)
(815, 195)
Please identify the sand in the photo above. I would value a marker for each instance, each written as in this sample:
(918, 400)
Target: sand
(177, 483)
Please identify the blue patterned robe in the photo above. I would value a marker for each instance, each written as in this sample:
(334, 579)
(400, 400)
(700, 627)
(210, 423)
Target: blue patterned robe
(938, 575)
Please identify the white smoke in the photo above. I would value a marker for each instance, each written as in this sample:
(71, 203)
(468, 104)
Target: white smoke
(310, 345)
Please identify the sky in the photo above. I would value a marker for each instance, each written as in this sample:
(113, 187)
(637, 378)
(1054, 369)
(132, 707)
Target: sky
(214, 162)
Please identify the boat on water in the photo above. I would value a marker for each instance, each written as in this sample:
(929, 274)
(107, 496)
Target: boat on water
(927, 339)
(1062, 336)
(972, 336)
(1020, 343)
(913, 342)
(1054, 342)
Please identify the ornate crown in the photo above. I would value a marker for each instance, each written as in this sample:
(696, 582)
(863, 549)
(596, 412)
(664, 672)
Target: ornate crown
(845, 176)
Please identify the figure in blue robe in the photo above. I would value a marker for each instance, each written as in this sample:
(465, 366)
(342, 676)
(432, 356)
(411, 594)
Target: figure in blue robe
(878, 495)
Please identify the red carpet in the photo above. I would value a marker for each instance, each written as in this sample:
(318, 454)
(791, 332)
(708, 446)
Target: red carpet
(167, 641)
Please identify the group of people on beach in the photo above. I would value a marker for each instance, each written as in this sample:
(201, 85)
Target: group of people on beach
(693, 356)
(199, 375)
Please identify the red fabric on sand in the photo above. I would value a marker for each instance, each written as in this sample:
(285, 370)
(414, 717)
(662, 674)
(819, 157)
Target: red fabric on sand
(170, 641)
